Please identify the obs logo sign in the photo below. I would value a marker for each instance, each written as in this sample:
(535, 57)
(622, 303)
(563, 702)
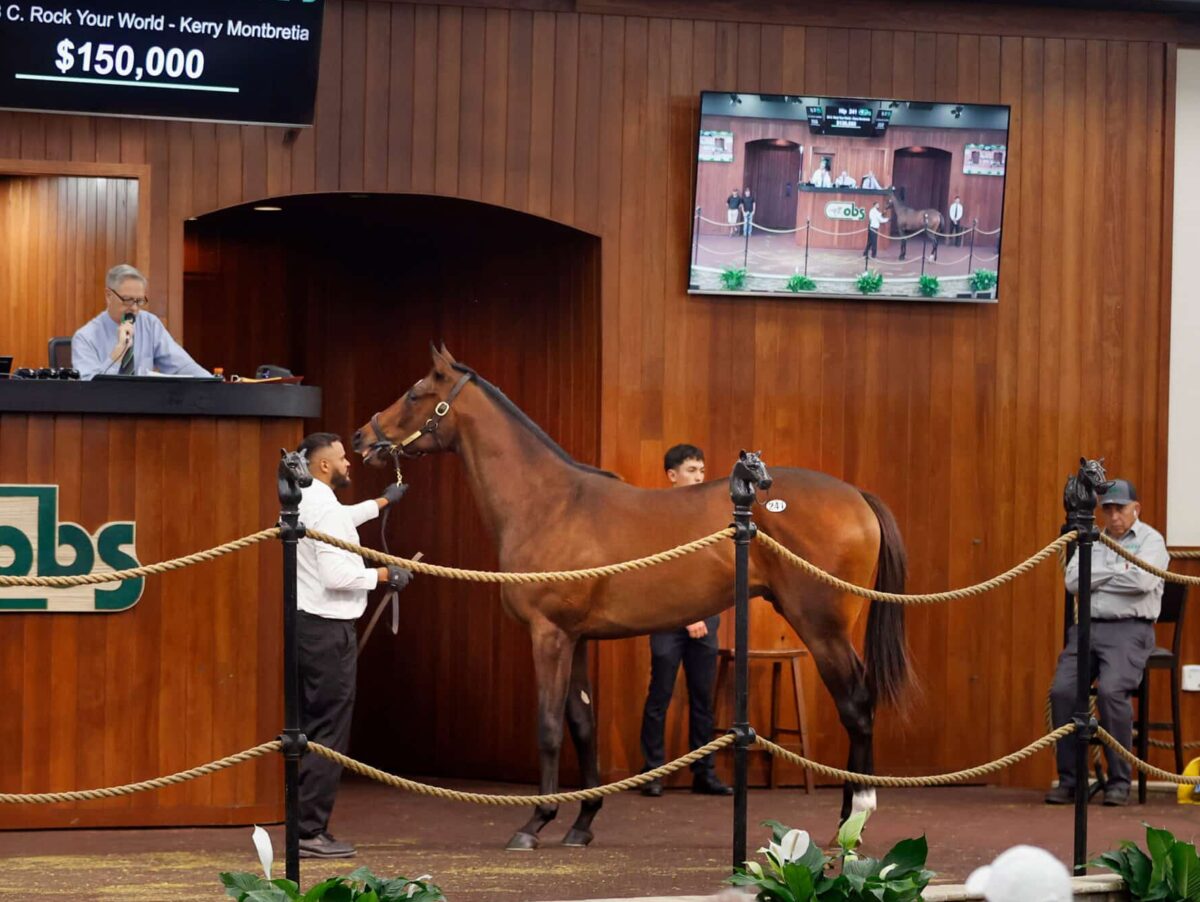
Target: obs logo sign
(840, 209)
(34, 543)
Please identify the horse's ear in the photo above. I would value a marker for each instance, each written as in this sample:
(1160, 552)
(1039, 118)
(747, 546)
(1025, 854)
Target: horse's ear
(742, 454)
(449, 357)
(439, 360)
(1082, 461)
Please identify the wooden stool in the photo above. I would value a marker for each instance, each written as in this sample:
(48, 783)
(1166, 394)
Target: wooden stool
(777, 657)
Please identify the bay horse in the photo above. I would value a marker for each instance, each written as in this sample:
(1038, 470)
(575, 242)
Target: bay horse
(546, 511)
(909, 220)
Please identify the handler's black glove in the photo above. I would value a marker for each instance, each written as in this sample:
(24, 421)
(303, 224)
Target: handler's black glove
(395, 492)
(398, 577)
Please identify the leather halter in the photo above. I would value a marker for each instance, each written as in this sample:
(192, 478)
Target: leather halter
(399, 449)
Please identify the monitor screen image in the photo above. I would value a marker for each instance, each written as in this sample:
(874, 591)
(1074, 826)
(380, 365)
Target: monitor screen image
(848, 197)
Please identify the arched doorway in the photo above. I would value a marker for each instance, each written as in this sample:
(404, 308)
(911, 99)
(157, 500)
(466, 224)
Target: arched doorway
(921, 176)
(771, 171)
(349, 290)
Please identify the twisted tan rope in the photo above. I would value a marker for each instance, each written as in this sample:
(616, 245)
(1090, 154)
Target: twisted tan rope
(931, 780)
(1190, 554)
(1104, 736)
(954, 594)
(1163, 744)
(92, 579)
(112, 792)
(1148, 567)
(557, 798)
(484, 576)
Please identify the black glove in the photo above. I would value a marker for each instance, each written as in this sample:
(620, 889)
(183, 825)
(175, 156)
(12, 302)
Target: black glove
(398, 577)
(395, 492)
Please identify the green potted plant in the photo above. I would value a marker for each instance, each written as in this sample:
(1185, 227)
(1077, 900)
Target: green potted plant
(1171, 872)
(870, 282)
(800, 282)
(929, 286)
(733, 279)
(982, 282)
(797, 870)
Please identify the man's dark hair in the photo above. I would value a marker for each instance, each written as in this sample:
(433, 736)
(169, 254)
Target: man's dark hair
(676, 455)
(315, 442)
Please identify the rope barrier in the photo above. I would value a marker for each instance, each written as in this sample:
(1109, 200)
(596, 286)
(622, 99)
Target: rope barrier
(112, 792)
(1148, 567)
(1189, 555)
(1149, 769)
(929, 598)
(93, 579)
(754, 226)
(838, 234)
(716, 253)
(485, 576)
(932, 780)
(557, 798)
(1163, 744)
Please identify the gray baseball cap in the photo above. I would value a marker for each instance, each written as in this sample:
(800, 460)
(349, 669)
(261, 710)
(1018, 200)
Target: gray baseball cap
(1122, 492)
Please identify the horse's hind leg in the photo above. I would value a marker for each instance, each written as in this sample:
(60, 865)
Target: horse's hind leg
(581, 719)
(903, 249)
(552, 653)
(845, 676)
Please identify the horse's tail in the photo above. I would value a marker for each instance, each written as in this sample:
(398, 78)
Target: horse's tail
(889, 670)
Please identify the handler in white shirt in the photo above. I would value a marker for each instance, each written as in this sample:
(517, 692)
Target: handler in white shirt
(956, 214)
(875, 220)
(331, 590)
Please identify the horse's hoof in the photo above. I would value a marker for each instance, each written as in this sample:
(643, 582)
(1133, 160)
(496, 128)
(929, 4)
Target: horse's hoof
(577, 838)
(522, 842)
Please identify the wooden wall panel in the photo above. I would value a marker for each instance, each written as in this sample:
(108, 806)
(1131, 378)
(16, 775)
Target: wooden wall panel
(183, 677)
(58, 237)
(965, 419)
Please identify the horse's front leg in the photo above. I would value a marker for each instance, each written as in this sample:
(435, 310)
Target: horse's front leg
(903, 248)
(581, 718)
(552, 654)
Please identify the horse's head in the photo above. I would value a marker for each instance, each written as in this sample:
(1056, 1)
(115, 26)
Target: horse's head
(748, 476)
(419, 421)
(1091, 474)
(1082, 488)
(292, 475)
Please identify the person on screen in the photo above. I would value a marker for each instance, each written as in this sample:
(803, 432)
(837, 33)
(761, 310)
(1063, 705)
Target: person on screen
(734, 213)
(956, 215)
(1125, 602)
(845, 180)
(748, 205)
(876, 219)
(869, 180)
(821, 178)
(127, 339)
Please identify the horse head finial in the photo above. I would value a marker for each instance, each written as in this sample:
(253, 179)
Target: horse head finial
(1079, 496)
(748, 476)
(292, 475)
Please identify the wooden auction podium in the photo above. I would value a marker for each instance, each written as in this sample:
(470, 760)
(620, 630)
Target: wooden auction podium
(129, 681)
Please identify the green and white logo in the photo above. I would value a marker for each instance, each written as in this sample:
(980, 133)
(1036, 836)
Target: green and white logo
(841, 209)
(34, 543)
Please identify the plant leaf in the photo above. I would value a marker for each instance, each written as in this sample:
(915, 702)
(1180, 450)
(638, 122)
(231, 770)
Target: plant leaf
(907, 855)
(778, 830)
(270, 894)
(1185, 869)
(1159, 843)
(238, 883)
(799, 882)
(850, 833)
(321, 890)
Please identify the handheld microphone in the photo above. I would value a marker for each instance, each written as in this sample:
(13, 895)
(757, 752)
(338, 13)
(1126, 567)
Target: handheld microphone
(128, 317)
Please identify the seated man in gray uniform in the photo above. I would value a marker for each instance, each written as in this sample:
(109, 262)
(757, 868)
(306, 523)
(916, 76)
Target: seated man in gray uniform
(1125, 603)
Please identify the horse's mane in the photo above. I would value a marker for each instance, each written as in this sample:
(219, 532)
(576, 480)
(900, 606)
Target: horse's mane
(523, 418)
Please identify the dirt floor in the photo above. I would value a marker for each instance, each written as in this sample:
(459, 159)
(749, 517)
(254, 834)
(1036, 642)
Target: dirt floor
(678, 844)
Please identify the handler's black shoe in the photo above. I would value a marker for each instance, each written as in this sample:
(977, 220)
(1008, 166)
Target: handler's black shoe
(653, 789)
(1116, 796)
(325, 846)
(711, 785)
(1061, 795)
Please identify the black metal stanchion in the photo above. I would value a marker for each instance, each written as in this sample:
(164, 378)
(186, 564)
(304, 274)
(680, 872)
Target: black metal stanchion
(971, 252)
(746, 244)
(292, 475)
(748, 476)
(924, 243)
(1080, 497)
(807, 234)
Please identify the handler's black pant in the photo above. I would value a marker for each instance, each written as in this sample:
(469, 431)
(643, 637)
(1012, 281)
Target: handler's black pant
(328, 651)
(699, 658)
(1120, 649)
(872, 247)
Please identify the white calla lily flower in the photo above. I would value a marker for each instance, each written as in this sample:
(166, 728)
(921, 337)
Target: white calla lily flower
(755, 868)
(266, 853)
(794, 844)
(887, 870)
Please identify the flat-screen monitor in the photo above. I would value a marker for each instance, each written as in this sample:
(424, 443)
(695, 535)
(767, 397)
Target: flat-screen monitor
(849, 197)
(251, 61)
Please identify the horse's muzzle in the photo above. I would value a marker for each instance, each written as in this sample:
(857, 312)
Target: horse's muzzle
(765, 483)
